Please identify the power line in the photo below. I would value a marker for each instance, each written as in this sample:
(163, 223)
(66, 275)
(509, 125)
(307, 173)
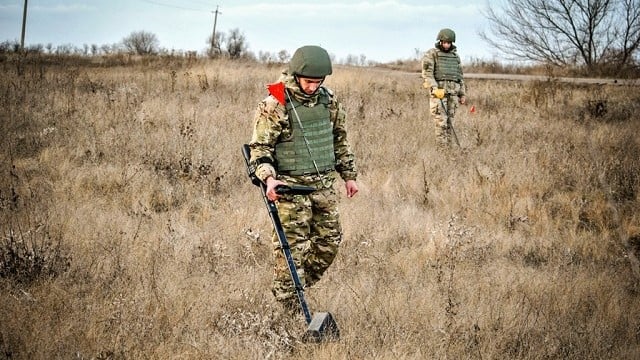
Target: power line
(173, 6)
(207, 3)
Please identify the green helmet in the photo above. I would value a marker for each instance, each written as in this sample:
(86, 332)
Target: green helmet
(446, 35)
(310, 61)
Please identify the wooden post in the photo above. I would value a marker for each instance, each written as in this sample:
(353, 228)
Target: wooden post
(215, 21)
(24, 22)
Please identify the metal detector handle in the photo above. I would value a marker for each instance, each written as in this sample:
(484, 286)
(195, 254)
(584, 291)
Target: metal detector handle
(294, 189)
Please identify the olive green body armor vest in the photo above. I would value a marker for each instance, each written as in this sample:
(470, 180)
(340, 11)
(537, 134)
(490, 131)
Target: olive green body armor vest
(447, 67)
(292, 155)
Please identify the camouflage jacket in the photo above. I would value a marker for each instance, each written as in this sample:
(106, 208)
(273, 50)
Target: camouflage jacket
(429, 61)
(271, 122)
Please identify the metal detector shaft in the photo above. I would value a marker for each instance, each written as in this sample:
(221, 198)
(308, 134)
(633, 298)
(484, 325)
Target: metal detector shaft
(449, 122)
(284, 244)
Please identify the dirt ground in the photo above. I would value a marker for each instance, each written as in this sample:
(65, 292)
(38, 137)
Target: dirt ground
(632, 82)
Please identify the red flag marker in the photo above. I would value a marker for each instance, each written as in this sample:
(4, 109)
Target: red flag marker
(277, 91)
(473, 109)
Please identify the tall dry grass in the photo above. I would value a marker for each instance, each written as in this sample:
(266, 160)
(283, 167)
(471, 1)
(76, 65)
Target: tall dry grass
(130, 229)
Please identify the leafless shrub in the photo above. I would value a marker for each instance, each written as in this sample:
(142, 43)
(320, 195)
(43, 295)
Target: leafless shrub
(27, 256)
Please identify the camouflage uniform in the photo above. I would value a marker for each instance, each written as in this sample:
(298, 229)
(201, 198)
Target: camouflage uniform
(311, 223)
(454, 87)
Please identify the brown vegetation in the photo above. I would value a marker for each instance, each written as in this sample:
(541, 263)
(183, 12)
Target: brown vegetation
(130, 230)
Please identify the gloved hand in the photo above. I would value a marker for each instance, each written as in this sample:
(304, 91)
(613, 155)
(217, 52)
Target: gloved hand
(439, 93)
(426, 85)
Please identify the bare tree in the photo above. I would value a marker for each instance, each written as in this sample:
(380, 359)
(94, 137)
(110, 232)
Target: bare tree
(265, 57)
(628, 40)
(351, 60)
(566, 32)
(236, 44)
(141, 43)
(215, 51)
(283, 56)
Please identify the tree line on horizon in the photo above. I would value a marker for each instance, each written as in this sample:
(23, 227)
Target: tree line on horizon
(600, 37)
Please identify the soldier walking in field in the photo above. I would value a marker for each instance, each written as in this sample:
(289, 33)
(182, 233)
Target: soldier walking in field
(443, 77)
(300, 138)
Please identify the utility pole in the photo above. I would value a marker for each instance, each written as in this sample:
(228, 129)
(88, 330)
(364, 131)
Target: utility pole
(24, 22)
(215, 21)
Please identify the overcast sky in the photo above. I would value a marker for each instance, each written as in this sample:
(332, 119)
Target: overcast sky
(381, 30)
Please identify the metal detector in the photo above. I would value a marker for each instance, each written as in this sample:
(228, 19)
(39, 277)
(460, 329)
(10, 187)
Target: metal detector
(322, 327)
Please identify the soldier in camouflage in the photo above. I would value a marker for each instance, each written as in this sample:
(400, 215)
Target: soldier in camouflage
(304, 141)
(443, 77)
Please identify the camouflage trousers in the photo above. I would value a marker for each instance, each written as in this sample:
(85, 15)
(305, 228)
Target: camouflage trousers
(442, 119)
(312, 227)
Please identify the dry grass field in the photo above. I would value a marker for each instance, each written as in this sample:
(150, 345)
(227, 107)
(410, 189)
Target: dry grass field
(129, 229)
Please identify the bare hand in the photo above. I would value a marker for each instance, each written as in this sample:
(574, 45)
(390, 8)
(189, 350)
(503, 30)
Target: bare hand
(352, 188)
(271, 188)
